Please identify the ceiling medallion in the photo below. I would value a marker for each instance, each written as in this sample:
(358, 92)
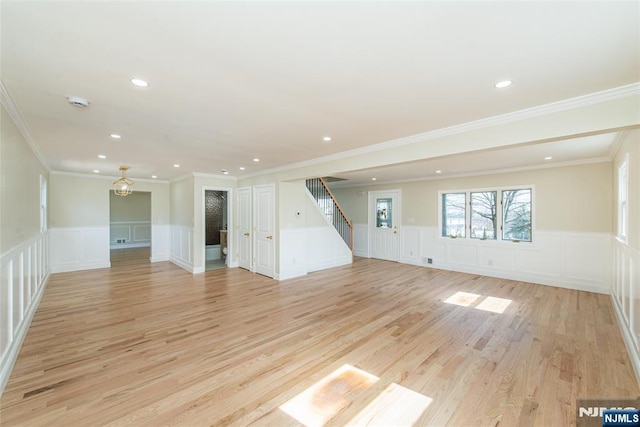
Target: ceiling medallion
(123, 186)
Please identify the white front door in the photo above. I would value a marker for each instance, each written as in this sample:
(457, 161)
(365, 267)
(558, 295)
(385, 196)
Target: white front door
(264, 229)
(244, 228)
(384, 224)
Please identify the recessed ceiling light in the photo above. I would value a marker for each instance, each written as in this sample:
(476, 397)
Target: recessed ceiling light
(256, 159)
(96, 171)
(548, 158)
(241, 168)
(115, 136)
(139, 82)
(503, 84)
(438, 171)
(224, 171)
(102, 156)
(176, 165)
(326, 138)
(373, 179)
(154, 176)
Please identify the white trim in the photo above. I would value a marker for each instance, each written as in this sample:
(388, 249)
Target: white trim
(627, 338)
(554, 107)
(210, 175)
(21, 124)
(444, 176)
(129, 246)
(110, 178)
(30, 273)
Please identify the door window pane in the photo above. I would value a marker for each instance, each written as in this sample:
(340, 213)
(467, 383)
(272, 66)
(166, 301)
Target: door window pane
(483, 215)
(454, 214)
(384, 213)
(516, 215)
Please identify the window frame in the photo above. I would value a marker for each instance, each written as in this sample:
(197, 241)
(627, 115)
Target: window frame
(499, 214)
(622, 202)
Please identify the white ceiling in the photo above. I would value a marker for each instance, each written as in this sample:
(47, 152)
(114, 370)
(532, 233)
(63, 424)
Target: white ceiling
(230, 81)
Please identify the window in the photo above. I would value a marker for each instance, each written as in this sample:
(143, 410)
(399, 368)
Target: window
(454, 214)
(509, 208)
(516, 215)
(623, 194)
(43, 204)
(484, 213)
(384, 212)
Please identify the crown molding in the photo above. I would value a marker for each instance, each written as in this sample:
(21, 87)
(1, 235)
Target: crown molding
(21, 124)
(554, 107)
(617, 144)
(216, 176)
(107, 177)
(341, 184)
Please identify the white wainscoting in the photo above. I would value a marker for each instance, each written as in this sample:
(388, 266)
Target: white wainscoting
(625, 294)
(160, 242)
(136, 234)
(571, 260)
(73, 249)
(303, 250)
(24, 273)
(182, 247)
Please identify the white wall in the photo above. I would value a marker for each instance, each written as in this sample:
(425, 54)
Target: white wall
(130, 220)
(625, 289)
(80, 229)
(24, 262)
(307, 240)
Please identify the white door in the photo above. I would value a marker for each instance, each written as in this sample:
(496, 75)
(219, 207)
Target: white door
(244, 228)
(264, 229)
(384, 224)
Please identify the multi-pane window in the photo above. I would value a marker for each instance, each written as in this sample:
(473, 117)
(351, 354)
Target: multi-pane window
(484, 213)
(509, 209)
(516, 215)
(454, 214)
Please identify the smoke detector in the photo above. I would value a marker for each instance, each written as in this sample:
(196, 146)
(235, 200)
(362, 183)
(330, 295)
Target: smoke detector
(78, 102)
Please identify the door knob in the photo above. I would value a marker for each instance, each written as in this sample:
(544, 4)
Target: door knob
(270, 237)
(246, 234)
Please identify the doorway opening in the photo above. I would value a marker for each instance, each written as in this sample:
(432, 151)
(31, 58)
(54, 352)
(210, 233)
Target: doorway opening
(130, 228)
(216, 229)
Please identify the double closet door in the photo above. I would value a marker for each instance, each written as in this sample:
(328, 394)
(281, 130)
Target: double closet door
(256, 229)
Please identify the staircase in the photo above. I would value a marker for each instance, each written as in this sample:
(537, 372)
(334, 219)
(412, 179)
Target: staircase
(331, 209)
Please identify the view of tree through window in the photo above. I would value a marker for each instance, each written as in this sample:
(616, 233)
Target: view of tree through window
(516, 215)
(483, 215)
(512, 211)
(454, 214)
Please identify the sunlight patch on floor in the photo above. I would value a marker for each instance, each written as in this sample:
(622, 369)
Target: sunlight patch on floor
(320, 402)
(466, 299)
(496, 305)
(396, 405)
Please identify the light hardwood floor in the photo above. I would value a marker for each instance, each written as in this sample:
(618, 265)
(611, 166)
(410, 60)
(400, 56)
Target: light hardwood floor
(150, 344)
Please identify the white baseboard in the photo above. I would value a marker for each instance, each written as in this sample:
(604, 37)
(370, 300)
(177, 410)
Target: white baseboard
(66, 268)
(159, 258)
(116, 246)
(182, 264)
(628, 340)
(290, 274)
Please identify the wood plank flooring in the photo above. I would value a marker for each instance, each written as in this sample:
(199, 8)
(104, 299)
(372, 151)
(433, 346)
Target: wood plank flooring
(374, 342)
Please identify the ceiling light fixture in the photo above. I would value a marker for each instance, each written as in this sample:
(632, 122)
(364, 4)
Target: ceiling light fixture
(548, 158)
(438, 171)
(256, 159)
(78, 102)
(102, 156)
(373, 179)
(139, 82)
(503, 84)
(96, 171)
(176, 165)
(326, 138)
(241, 168)
(123, 186)
(154, 176)
(115, 136)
